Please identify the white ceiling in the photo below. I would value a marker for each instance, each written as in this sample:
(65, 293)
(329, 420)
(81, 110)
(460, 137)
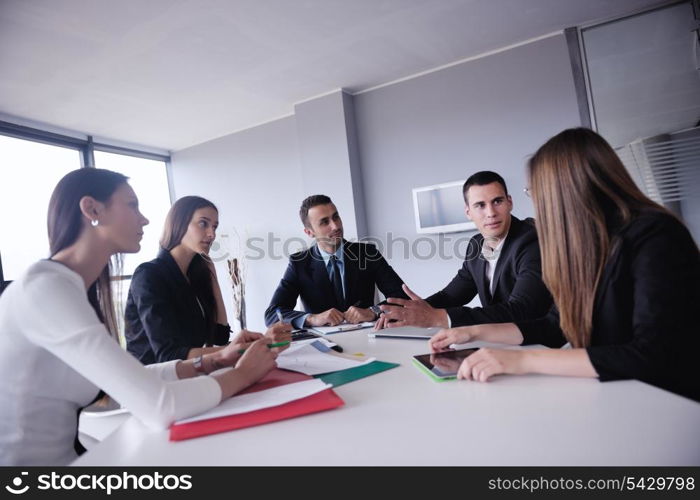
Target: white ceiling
(174, 73)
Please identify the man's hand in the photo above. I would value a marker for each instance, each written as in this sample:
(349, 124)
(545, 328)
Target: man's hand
(331, 317)
(381, 323)
(415, 312)
(358, 315)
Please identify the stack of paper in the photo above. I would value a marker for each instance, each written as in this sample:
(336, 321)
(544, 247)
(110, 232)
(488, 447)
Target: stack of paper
(262, 399)
(343, 327)
(315, 358)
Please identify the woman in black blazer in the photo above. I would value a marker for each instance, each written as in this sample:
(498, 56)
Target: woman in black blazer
(623, 271)
(174, 309)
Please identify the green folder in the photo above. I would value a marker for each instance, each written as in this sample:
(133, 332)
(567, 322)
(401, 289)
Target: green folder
(351, 374)
(422, 368)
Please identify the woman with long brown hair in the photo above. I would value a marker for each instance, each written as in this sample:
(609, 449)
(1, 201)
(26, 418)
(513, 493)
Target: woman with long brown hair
(58, 346)
(174, 309)
(623, 271)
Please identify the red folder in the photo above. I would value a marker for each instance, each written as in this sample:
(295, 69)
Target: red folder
(324, 400)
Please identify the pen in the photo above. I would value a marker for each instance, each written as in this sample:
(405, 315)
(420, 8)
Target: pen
(276, 344)
(279, 315)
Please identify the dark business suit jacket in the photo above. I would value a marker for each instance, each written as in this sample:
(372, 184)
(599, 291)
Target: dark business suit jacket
(306, 275)
(645, 324)
(518, 292)
(163, 320)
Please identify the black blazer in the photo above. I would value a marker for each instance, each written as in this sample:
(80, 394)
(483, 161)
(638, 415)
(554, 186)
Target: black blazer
(645, 311)
(306, 275)
(518, 291)
(163, 319)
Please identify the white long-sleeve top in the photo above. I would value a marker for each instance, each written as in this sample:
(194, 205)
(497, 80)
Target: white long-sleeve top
(55, 355)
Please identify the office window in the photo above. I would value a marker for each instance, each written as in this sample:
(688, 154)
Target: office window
(643, 74)
(29, 171)
(149, 180)
(645, 96)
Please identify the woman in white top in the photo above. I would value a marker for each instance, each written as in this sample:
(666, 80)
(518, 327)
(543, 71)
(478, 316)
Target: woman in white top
(58, 346)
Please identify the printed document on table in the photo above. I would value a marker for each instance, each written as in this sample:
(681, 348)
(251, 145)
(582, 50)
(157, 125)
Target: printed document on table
(313, 360)
(343, 327)
(261, 399)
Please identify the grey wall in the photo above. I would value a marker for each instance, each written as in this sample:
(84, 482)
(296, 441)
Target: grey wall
(326, 130)
(254, 177)
(486, 114)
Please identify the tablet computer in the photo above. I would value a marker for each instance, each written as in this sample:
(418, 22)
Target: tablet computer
(442, 365)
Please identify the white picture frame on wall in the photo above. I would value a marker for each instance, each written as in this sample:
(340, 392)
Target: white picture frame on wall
(440, 209)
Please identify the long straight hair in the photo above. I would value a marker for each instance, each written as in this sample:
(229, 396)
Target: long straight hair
(65, 223)
(201, 280)
(580, 188)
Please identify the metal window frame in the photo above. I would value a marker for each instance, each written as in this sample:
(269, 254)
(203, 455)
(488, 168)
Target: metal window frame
(86, 147)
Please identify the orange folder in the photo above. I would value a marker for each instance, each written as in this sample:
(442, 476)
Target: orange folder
(324, 400)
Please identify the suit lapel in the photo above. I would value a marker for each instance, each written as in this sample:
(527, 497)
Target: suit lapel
(180, 285)
(506, 250)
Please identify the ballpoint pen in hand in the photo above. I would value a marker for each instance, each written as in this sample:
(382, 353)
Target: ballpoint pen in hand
(276, 344)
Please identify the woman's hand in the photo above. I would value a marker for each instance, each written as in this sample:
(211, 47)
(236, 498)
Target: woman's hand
(442, 340)
(256, 361)
(279, 332)
(356, 315)
(487, 362)
(246, 337)
(230, 354)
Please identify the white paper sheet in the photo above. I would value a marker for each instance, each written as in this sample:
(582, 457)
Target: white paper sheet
(343, 327)
(262, 399)
(308, 359)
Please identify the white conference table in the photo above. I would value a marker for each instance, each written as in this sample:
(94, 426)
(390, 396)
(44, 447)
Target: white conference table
(402, 417)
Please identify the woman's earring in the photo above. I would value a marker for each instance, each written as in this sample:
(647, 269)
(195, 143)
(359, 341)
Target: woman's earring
(94, 222)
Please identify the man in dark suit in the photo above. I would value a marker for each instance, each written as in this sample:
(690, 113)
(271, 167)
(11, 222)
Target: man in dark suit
(502, 266)
(335, 278)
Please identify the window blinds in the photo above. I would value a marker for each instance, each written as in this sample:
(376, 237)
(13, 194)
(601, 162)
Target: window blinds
(666, 167)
